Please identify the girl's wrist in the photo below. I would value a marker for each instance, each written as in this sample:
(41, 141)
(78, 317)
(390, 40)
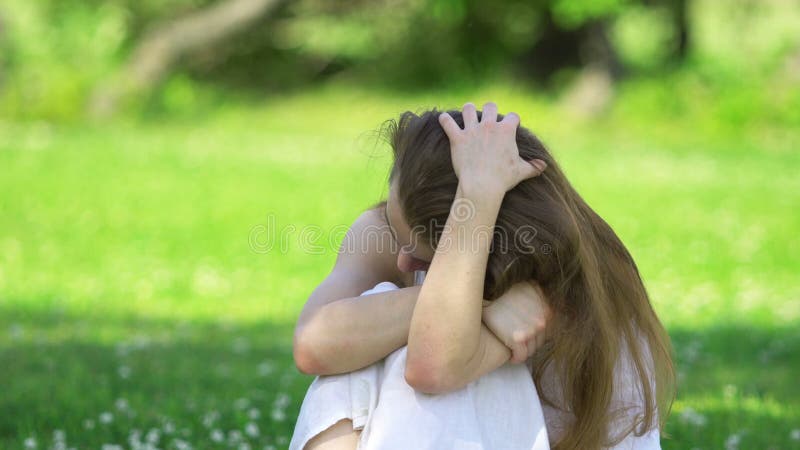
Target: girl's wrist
(480, 196)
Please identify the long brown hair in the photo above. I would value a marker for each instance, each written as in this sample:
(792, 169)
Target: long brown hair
(588, 276)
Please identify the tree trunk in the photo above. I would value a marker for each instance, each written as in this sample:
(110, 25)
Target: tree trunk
(160, 48)
(680, 18)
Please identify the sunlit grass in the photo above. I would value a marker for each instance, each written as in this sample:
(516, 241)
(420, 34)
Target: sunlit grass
(134, 279)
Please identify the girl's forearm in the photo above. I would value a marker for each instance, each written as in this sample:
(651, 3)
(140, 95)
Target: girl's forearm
(380, 324)
(352, 333)
(445, 329)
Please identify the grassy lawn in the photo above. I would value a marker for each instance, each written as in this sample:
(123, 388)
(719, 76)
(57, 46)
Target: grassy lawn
(139, 301)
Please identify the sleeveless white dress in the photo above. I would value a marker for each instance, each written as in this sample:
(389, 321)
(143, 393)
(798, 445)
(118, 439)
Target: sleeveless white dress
(500, 410)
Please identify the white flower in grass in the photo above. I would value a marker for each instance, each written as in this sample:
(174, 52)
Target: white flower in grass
(181, 445)
(265, 368)
(278, 415)
(140, 342)
(223, 370)
(241, 403)
(692, 351)
(106, 417)
(169, 427)
(153, 436)
(59, 440)
(243, 446)
(111, 447)
(88, 424)
(15, 331)
(251, 429)
(122, 349)
(253, 413)
(121, 404)
(209, 418)
(729, 391)
(690, 416)
(124, 372)
(286, 378)
(795, 434)
(282, 440)
(30, 443)
(241, 345)
(217, 435)
(234, 436)
(282, 400)
(135, 438)
(732, 443)
(269, 447)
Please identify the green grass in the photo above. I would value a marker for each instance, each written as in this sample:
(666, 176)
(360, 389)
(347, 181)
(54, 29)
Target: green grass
(130, 283)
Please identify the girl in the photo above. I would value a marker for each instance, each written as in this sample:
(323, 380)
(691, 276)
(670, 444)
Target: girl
(518, 268)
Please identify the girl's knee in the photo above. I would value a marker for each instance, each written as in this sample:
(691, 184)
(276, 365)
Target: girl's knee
(339, 436)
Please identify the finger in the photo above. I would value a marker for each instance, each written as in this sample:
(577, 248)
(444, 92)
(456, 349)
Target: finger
(449, 124)
(470, 115)
(511, 119)
(534, 345)
(489, 113)
(518, 346)
(519, 353)
(532, 168)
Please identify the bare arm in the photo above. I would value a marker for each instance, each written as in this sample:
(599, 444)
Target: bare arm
(337, 330)
(446, 338)
(341, 350)
(352, 333)
(448, 341)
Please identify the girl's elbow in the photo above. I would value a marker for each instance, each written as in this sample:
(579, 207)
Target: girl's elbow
(307, 359)
(430, 378)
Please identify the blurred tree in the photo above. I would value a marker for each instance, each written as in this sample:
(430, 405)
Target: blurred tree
(161, 47)
(3, 50)
(128, 47)
(402, 43)
(678, 11)
(680, 16)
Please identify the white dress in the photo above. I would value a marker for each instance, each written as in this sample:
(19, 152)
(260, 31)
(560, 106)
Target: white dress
(500, 410)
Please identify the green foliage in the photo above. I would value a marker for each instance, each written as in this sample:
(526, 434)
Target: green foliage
(54, 53)
(572, 13)
(52, 64)
(644, 37)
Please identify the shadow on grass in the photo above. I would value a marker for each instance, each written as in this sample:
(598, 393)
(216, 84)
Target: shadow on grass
(216, 385)
(102, 380)
(738, 388)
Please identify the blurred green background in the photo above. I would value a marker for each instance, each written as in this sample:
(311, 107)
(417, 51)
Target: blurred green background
(151, 151)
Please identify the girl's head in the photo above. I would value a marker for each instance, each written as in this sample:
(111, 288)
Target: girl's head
(545, 232)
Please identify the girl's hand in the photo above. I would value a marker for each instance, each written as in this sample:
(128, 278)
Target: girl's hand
(485, 154)
(520, 319)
